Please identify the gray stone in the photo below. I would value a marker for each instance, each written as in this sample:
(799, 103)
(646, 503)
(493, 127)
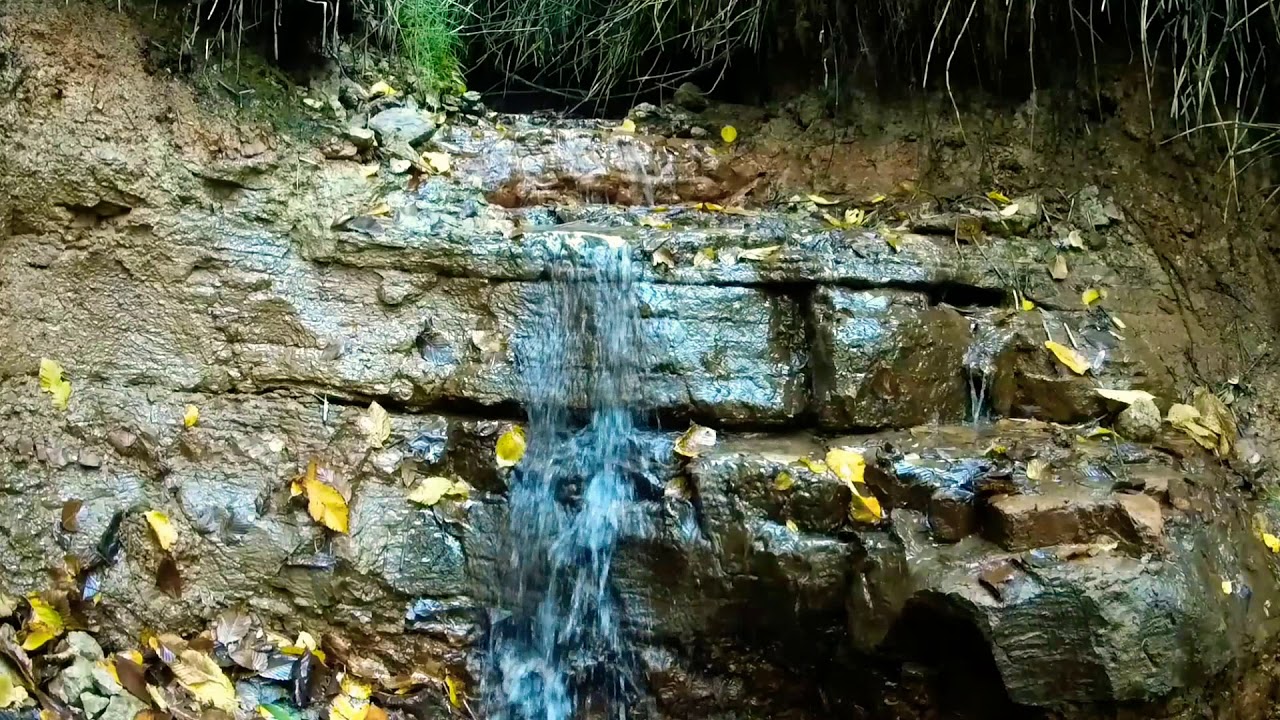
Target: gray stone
(1140, 421)
(690, 97)
(77, 680)
(362, 138)
(122, 707)
(83, 645)
(402, 125)
(886, 358)
(93, 705)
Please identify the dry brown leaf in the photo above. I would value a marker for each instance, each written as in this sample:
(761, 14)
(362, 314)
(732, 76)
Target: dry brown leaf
(375, 424)
(1058, 270)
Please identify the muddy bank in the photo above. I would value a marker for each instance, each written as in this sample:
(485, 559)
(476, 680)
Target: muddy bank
(170, 250)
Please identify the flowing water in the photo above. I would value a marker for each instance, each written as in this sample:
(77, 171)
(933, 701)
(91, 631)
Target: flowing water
(561, 652)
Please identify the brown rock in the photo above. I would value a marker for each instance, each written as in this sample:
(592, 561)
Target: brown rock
(952, 515)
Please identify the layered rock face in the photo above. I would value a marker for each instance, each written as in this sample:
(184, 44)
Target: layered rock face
(1025, 567)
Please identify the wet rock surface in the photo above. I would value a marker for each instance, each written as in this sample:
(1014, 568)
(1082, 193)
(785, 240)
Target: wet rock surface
(1053, 571)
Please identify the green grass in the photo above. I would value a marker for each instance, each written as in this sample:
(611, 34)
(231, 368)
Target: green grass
(429, 40)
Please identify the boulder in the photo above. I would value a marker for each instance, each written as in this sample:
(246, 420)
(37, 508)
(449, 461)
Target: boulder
(401, 124)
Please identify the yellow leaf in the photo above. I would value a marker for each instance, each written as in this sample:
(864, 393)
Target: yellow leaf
(191, 416)
(815, 466)
(1092, 295)
(440, 162)
(510, 447)
(52, 382)
(848, 465)
(12, 693)
(1217, 417)
(36, 638)
(653, 222)
(728, 133)
(375, 424)
(783, 481)
(877, 198)
(1126, 397)
(345, 707)
(819, 200)
(1271, 541)
(455, 692)
(1027, 305)
(1226, 587)
(663, 256)
(791, 525)
(379, 209)
(432, 489)
(997, 196)
(894, 240)
(380, 88)
(1188, 419)
(628, 126)
(202, 677)
(295, 489)
(704, 257)
(355, 687)
(760, 253)
(695, 441)
(865, 508)
(324, 503)
(1072, 359)
(709, 207)
(1037, 469)
(164, 531)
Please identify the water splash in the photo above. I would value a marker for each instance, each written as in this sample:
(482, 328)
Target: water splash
(562, 650)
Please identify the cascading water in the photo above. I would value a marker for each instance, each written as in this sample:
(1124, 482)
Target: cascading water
(561, 650)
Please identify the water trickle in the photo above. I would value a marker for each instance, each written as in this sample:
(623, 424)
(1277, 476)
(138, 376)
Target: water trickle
(561, 650)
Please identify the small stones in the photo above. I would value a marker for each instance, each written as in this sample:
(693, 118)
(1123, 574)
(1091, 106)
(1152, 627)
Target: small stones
(1140, 421)
(952, 515)
(690, 97)
(88, 458)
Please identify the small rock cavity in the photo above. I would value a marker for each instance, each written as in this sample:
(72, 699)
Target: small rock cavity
(561, 652)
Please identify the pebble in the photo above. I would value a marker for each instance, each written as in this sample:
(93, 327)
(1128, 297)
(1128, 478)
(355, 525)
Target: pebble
(1140, 421)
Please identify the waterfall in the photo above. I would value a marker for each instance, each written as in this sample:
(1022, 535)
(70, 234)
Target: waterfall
(561, 650)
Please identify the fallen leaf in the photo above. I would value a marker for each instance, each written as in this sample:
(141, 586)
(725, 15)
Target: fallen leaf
(663, 256)
(164, 531)
(432, 489)
(8, 605)
(1009, 210)
(705, 256)
(190, 416)
(380, 89)
(379, 209)
(1271, 541)
(1226, 587)
(1026, 305)
(1092, 295)
(653, 222)
(1072, 359)
(168, 577)
(893, 240)
(783, 481)
(1037, 469)
(375, 424)
(819, 200)
(728, 133)
(324, 503)
(708, 207)
(132, 676)
(52, 382)
(815, 466)
(277, 711)
(12, 693)
(853, 218)
(44, 624)
(486, 341)
(696, 440)
(510, 448)
(1074, 239)
(354, 687)
(1126, 397)
(1188, 419)
(1058, 270)
(369, 170)
(202, 677)
(627, 126)
(999, 197)
(455, 694)
(791, 525)
(877, 199)
(760, 253)
(865, 508)
(1217, 417)
(71, 514)
(440, 162)
(848, 465)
